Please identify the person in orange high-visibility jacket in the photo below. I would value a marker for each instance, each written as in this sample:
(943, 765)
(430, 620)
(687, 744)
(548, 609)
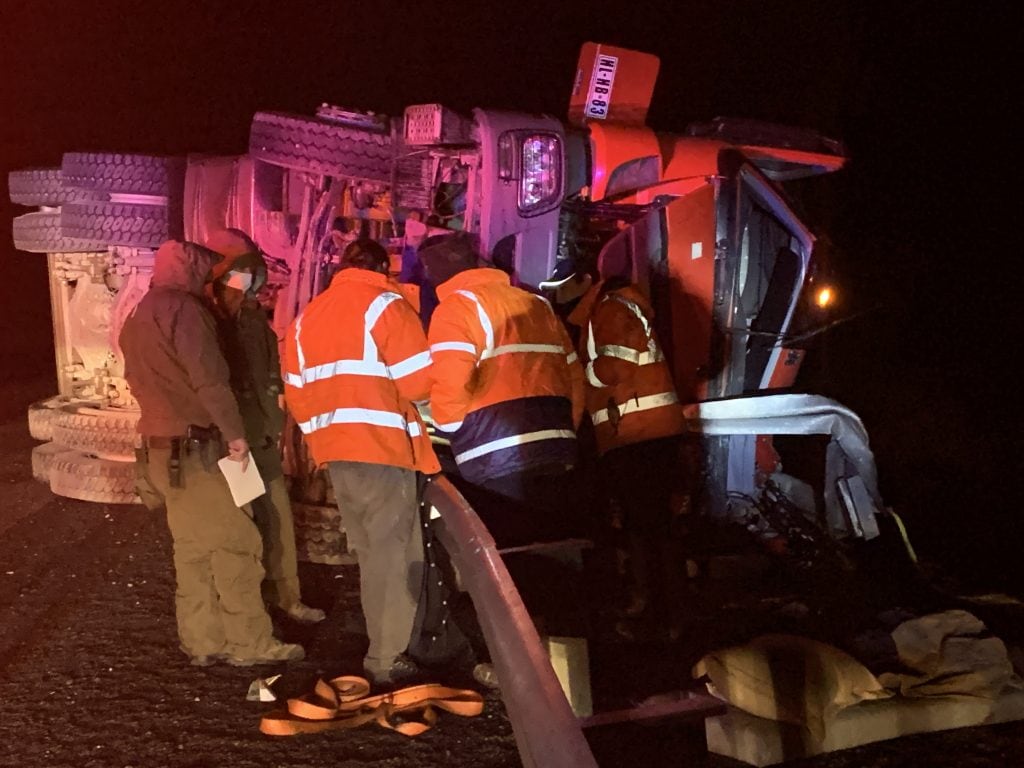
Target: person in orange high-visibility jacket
(507, 385)
(631, 397)
(355, 364)
(508, 393)
(637, 421)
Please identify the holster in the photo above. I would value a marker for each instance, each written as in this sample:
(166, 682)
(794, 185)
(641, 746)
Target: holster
(148, 492)
(206, 443)
(174, 464)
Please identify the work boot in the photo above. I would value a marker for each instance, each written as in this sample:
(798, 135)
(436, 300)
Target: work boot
(202, 659)
(205, 661)
(277, 652)
(485, 675)
(403, 671)
(305, 614)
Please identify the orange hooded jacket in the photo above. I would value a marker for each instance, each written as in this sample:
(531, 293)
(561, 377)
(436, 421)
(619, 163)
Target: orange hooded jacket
(630, 393)
(355, 362)
(507, 385)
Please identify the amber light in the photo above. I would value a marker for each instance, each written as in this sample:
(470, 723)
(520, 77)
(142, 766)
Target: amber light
(825, 297)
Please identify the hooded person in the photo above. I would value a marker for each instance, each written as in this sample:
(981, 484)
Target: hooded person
(190, 418)
(251, 349)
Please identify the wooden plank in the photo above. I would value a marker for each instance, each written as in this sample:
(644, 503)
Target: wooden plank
(694, 707)
(549, 546)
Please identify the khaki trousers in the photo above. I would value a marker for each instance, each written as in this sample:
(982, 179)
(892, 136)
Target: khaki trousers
(217, 551)
(273, 515)
(380, 512)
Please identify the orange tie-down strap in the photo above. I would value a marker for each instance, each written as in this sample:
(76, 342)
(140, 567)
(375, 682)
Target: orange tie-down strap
(344, 702)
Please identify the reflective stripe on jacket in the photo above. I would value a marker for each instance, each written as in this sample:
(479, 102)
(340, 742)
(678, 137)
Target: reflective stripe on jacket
(630, 393)
(507, 385)
(356, 360)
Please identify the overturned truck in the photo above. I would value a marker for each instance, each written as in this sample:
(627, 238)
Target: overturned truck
(706, 221)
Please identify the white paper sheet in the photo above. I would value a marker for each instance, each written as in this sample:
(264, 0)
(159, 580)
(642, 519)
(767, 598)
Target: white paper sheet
(245, 486)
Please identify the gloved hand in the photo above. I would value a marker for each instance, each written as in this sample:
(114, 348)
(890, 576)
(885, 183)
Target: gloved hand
(238, 450)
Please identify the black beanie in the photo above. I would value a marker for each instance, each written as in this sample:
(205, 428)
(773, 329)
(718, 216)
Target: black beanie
(444, 256)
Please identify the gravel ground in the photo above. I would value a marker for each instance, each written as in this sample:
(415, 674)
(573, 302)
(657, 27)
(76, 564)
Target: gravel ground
(91, 677)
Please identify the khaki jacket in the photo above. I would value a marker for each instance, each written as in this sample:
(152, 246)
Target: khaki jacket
(173, 359)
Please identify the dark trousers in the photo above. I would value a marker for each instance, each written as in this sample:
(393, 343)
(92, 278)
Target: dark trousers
(639, 479)
(522, 509)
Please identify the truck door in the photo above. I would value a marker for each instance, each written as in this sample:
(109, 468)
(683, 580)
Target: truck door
(724, 265)
(762, 259)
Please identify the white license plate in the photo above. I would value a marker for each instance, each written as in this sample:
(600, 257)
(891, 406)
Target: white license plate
(599, 97)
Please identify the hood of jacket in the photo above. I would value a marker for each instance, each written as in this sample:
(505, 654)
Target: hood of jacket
(183, 266)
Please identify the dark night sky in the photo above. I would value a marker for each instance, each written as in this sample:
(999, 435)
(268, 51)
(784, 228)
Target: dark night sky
(922, 92)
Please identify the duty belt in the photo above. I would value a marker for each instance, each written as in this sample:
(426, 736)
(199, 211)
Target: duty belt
(161, 442)
(194, 434)
(204, 442)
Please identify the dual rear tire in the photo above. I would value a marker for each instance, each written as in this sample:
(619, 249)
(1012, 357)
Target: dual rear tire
(88, 453)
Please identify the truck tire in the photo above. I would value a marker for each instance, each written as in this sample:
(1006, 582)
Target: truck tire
(87, 478)
(40, 187)
(320, 146)
(41, 415)
(124, 174)
(41, 233)
(107, 433)
(103, 224)
(319, 536)
(43, 456)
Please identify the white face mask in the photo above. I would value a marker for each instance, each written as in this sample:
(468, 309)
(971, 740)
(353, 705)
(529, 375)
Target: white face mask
(240, 280)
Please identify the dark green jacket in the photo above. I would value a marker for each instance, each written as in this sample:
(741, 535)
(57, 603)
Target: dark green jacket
(250, 348)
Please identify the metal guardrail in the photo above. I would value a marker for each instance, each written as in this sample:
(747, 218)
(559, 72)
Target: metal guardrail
(548, 733)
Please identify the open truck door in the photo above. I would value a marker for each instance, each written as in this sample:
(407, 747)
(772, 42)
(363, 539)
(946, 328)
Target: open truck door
(724, 260)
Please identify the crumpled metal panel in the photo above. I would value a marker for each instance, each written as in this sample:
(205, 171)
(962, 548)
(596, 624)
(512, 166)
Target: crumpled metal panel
(848, 455)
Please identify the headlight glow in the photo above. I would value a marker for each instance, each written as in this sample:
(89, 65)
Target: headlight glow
(540, 184)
